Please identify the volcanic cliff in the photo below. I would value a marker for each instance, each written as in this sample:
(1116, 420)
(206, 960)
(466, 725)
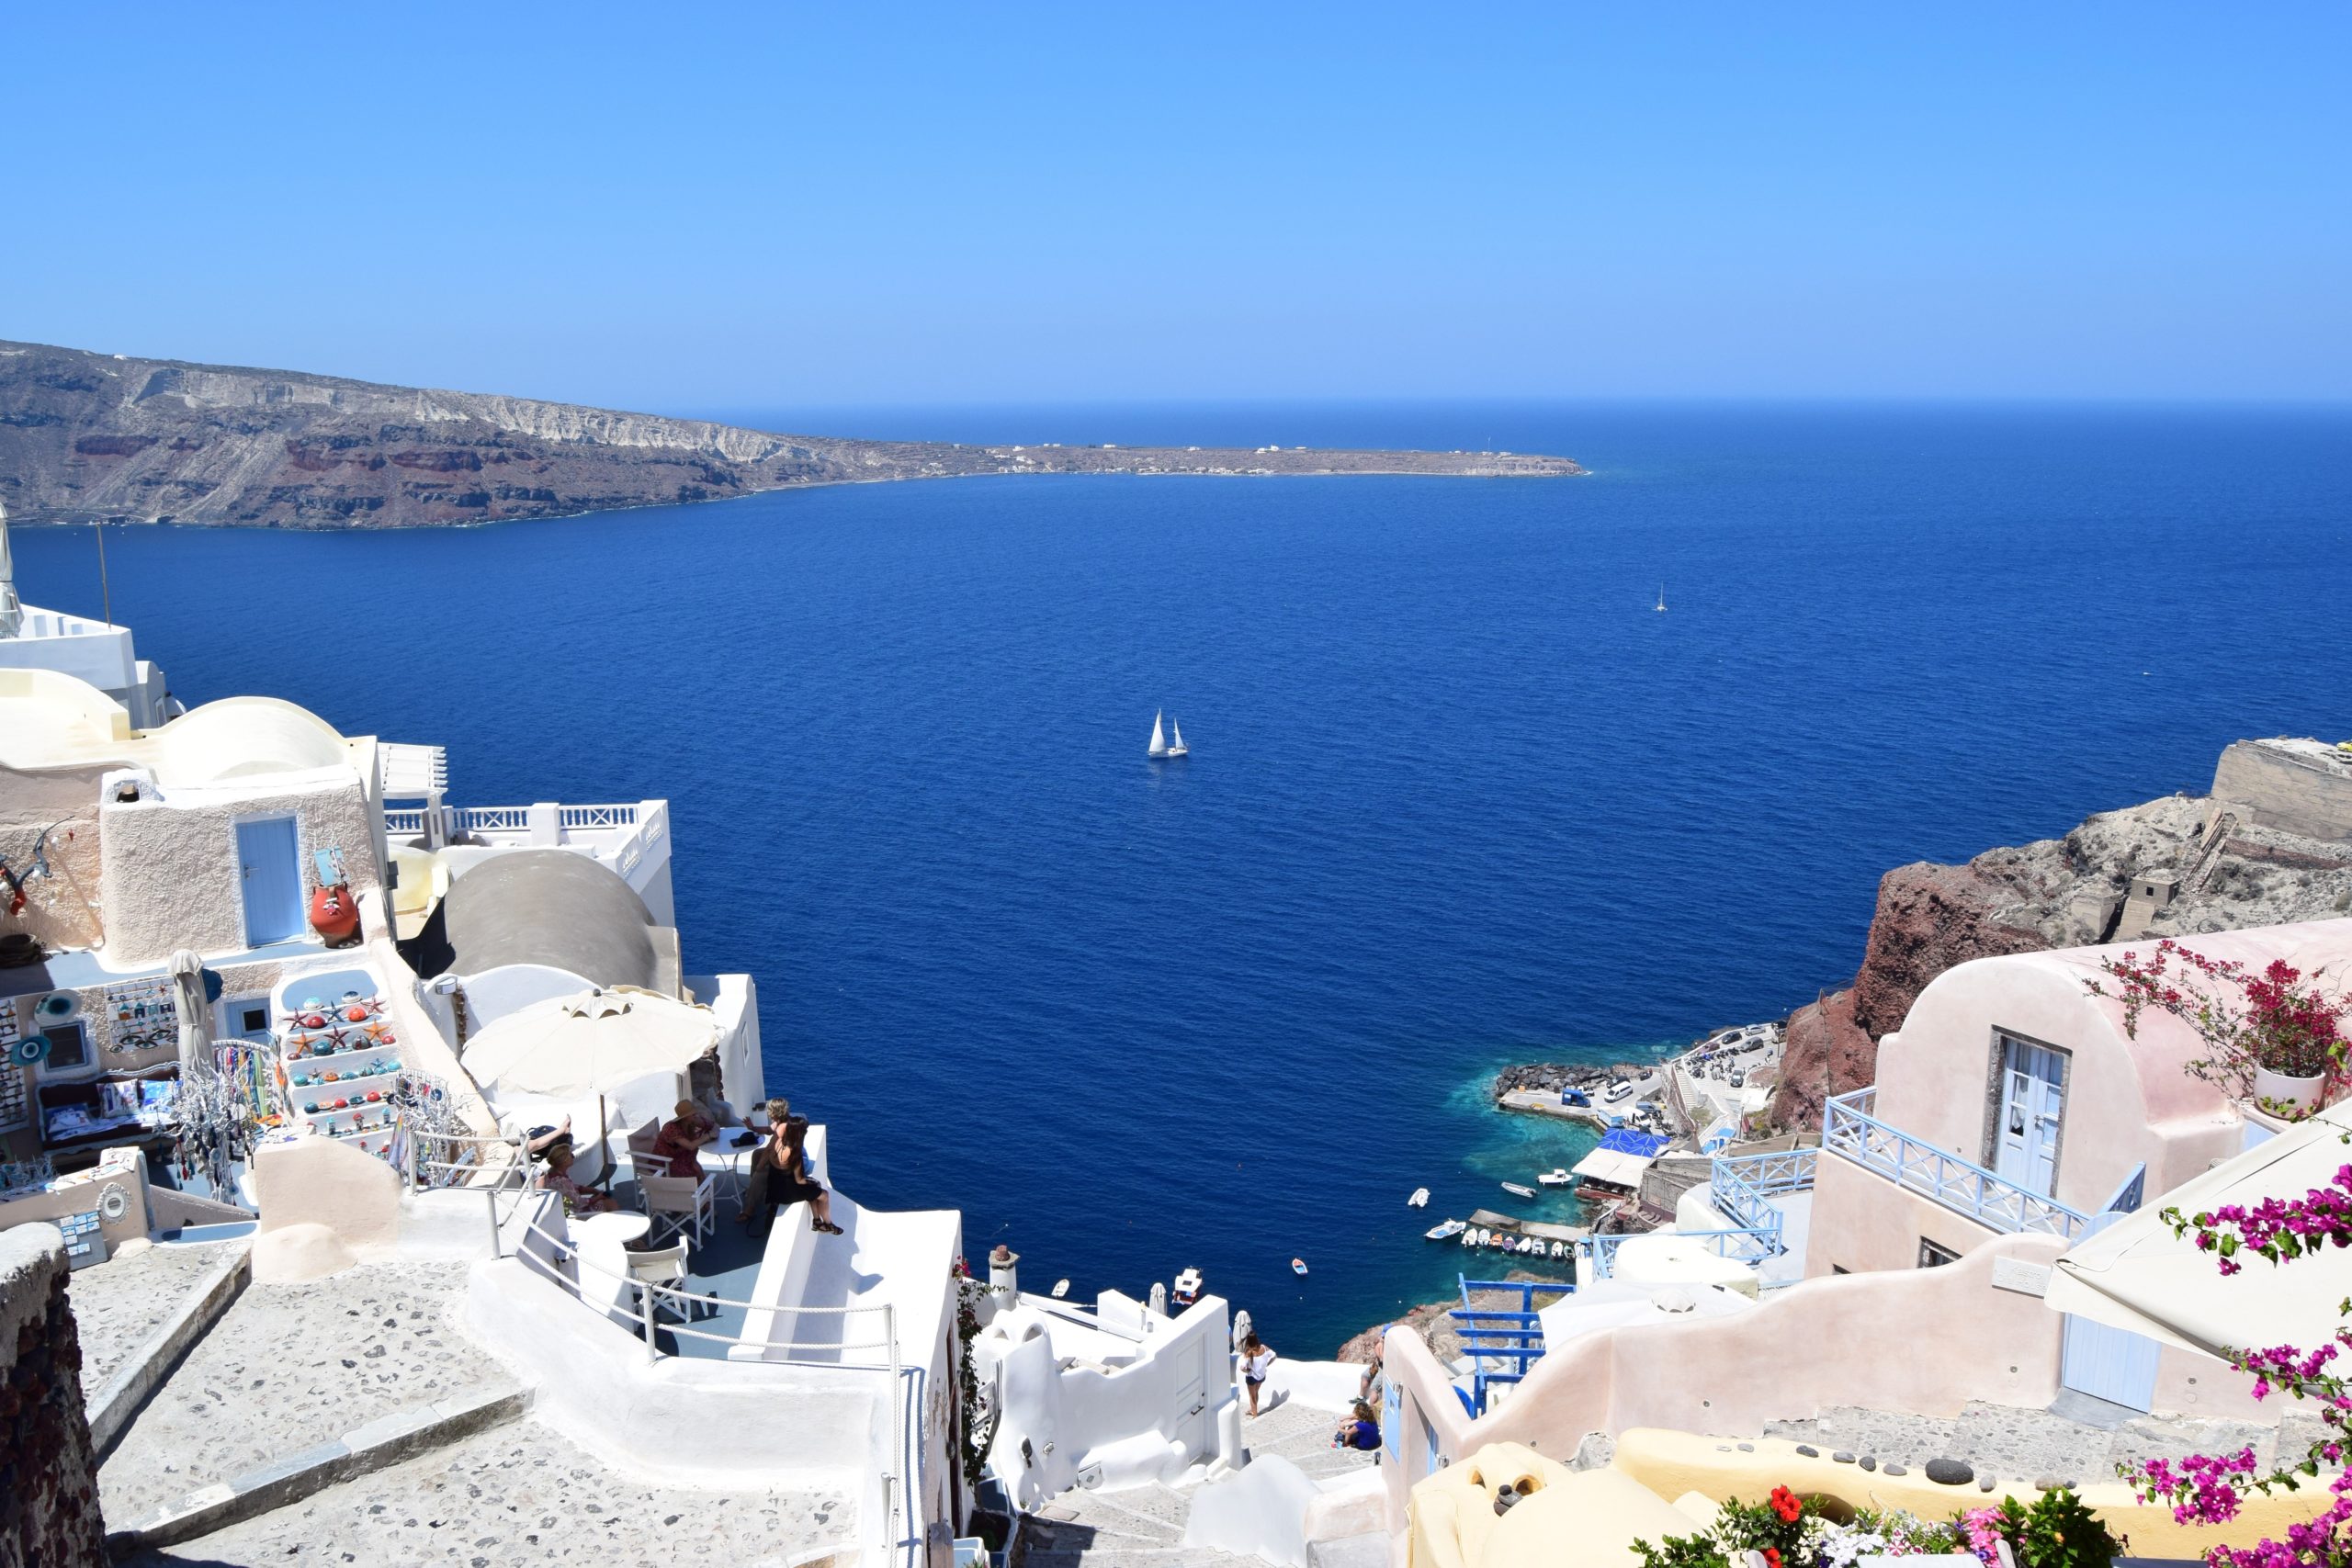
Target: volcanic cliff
(2272, 843)
(102, 437)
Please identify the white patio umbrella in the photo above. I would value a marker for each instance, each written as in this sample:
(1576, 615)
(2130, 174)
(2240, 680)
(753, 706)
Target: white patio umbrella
(2137, 1275)
(196, 1016)
(571, 1047)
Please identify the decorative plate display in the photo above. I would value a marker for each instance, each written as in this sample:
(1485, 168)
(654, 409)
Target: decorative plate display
(114, 1202)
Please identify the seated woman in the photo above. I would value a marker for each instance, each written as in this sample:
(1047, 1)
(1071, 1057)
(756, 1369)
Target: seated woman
(683, 1136)
(788, 1181)
(1360, 1430)
(577, 1200)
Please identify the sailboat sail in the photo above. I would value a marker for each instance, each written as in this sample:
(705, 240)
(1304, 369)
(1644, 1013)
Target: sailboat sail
(1177, 744)
(1158, 745)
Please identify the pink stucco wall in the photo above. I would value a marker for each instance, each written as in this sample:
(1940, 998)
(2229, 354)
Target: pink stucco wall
(2127, 1100)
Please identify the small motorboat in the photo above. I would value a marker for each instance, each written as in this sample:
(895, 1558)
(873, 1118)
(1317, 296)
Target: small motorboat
(1558, 1175)
(1516, 1190)
(1298, 1266)
(1559, 1249)
(1469, 1236)
(1420, 1200)
(1061, 1289)
(1188, 1289)
(1446, 1231)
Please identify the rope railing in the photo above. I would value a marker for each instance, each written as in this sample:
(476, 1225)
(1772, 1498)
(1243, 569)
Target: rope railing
(649, 1292)
(569, 1245)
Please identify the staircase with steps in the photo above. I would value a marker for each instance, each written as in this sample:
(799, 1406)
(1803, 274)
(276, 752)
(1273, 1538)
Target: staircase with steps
(351, 1420)
(1143, 1527)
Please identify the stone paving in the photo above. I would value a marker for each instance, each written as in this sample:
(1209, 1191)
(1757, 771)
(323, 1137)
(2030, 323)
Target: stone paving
(118, 1304)
(2078, 1442)
(522, 1494)
(288, 1367)
(1143, 1527)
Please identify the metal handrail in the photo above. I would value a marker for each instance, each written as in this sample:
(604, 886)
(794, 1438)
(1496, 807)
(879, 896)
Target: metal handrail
(1776, 1170)
(1962, 1186)
(2130, 1193)
(1742, 1244)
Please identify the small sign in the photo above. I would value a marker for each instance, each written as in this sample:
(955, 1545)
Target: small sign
(2016, 1274)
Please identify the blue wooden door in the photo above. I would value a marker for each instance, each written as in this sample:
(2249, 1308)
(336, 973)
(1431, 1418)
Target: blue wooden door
(2025, 1144)
(269, 865)
(2109, 1363)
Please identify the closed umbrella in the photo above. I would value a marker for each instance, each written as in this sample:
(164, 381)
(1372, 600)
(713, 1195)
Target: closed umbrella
(196, 1017)
(570, 1047)
(2136, 1275)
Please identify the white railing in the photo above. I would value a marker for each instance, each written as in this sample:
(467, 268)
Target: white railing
(1848, 1128)
(493, 819)
(595, 816)
(564, 1248)
(404, 822)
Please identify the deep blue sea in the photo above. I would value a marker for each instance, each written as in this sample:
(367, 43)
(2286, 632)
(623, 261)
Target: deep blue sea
(1458, 795)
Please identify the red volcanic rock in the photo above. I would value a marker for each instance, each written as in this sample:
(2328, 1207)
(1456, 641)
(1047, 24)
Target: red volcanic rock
(1929, 918)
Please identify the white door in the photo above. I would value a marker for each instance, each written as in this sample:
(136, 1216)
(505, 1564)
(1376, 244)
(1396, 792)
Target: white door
(2025, 1142)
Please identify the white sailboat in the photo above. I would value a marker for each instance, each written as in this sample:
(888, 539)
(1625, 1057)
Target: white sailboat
(1161, 747)
(1176, 747)
(1661, 598)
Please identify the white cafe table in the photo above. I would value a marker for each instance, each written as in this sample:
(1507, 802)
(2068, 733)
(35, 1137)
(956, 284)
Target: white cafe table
(721, 1157)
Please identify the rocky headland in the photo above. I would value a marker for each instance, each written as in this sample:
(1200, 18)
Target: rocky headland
(2271, 843)
(93, 436)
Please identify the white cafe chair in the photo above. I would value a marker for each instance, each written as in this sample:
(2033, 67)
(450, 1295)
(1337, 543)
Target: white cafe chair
(658, 1266)
(679, 1205)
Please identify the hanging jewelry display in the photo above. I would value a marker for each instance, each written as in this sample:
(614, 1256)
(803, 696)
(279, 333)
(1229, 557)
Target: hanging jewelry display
(15, 1110)
(140, 1016)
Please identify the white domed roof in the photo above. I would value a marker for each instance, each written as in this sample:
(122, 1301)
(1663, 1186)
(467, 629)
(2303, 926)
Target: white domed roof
(245, 738)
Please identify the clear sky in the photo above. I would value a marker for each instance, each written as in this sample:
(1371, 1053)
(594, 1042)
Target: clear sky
(698, 207)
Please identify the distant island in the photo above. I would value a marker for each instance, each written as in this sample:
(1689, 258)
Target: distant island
(96, 437)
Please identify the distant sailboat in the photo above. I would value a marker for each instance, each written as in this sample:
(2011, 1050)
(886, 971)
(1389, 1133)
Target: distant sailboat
(1661, 598)
(1176, 747)
(1161, 747)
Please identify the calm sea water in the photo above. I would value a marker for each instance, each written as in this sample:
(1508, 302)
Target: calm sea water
(1458, 795)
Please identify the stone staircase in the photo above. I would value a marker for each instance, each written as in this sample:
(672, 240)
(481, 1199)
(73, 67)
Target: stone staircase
(1143, 1527)
(350, 1420)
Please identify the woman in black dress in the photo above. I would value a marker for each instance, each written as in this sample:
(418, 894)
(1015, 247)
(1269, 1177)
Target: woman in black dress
(788, 1179)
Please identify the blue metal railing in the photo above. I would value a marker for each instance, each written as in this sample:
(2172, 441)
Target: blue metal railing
(1745, 1243)
(1784, 1170)
(2131, 1194)
(1514, 1338)
(1848, 1129)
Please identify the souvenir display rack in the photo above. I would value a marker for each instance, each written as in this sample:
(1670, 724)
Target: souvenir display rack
(339, 1068)
(140, 1016)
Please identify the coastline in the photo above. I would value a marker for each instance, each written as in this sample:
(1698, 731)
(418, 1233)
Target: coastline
(51, 519)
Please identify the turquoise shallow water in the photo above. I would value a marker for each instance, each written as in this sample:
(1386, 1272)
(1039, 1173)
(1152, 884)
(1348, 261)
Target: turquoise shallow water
(1458, 795)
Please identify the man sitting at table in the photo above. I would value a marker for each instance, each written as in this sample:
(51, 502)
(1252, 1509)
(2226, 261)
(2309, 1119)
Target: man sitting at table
(683, 1136)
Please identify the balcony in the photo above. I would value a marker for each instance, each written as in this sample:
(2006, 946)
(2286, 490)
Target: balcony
(1848, 1128)
(630, 839)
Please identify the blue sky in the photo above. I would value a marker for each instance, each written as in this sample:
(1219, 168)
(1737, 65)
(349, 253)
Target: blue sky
(710, 207)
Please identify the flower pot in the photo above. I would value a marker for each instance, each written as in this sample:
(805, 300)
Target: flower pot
(2281, 1089)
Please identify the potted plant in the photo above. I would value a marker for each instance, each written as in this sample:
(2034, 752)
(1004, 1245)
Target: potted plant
(2277, 1034)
